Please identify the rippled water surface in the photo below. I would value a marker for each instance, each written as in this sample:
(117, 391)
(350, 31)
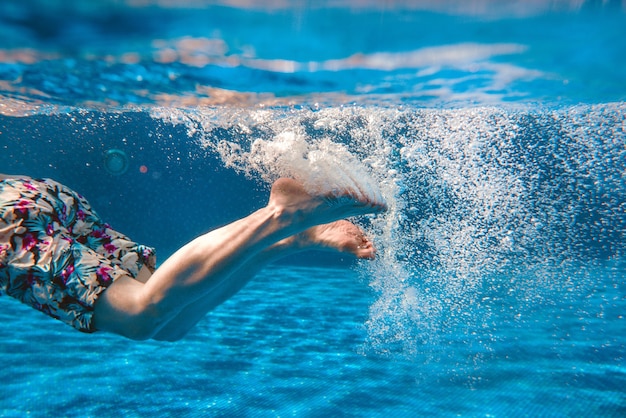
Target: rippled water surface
(495, 132)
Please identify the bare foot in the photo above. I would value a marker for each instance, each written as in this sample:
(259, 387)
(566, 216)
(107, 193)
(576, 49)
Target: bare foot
(295, 204)
(340, 236)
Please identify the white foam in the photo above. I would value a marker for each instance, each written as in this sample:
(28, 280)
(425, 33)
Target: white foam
(322, 166)
(475, 208)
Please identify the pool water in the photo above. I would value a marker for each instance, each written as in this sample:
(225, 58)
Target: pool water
(496, 133)
(284, 350)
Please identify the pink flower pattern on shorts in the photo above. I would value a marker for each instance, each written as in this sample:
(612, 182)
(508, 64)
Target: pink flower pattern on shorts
(56, 254)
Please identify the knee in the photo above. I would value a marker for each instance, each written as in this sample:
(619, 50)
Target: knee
(132, 328)
(138, 327)
(126, 309)
(158, 321)
(146, 322)
(137, 319)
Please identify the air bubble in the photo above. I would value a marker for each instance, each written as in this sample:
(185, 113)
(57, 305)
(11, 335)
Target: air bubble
(485, 204)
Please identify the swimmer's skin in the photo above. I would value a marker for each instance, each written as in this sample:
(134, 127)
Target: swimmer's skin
(207, 271)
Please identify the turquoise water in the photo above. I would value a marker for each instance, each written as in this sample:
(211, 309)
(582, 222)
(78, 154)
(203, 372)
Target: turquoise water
(293, 344)
(496, 133)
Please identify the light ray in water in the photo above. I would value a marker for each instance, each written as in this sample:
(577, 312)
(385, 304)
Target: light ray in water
(487, 207)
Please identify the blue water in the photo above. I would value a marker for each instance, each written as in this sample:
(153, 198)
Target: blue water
(285, 350)
(496, 132)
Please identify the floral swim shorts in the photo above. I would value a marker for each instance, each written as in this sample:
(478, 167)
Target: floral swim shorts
(56, 254)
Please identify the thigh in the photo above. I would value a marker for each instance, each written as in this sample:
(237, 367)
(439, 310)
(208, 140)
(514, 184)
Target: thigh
(56, 254)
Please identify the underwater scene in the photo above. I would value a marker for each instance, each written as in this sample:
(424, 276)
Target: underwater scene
(495, 131)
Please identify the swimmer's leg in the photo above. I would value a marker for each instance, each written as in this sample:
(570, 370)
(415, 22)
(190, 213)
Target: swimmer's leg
(340, 236)
(195, 271)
